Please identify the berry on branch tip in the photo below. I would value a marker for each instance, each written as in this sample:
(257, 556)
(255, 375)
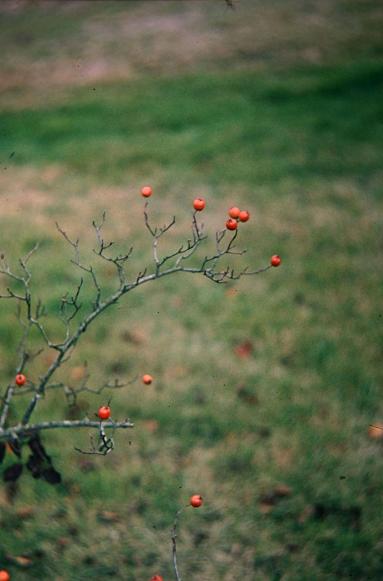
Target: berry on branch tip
(147, 379)
(104, 412)
(4, 575)
(196, 500)
(231, 224)
(199, 204)
(275, 260)
(157, 578)
(146, 191)
(234, 212)
(20, 380)
(244, 216)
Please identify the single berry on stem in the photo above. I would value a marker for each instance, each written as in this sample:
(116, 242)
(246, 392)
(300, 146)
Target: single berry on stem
(275, 260)
(196, 500)
(104, 412)
(244, 216)
(199, 204)
(157, 578)
(234, 212)
(20, 379)
(146, 191)
(147, 379)
(231, 224)
(4, 575)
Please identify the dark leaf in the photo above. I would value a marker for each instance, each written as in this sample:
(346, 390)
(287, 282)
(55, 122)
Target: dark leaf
(12, 473)
(37, 448)
(51, 475)
(35, 465)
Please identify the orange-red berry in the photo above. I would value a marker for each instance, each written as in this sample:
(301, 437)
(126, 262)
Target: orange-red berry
(244, 215)
(199, 204)
(20, 379)
(146, 191)
(147, 379)
(4, 575)
(231, 224)
(234, 212)
(104, 412)
(196, 500)
(275, 260)
(157, 578)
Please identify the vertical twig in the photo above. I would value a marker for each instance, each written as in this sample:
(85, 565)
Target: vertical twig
(174, 543)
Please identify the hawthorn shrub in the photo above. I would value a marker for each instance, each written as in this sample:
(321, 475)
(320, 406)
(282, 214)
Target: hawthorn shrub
(76, 320)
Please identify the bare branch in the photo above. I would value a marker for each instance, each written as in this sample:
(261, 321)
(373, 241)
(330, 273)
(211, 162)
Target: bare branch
(21, 431)
(70, 306)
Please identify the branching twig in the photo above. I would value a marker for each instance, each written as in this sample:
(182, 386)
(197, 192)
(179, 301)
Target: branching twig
(70, 307)
(118, 260)
(104, 444)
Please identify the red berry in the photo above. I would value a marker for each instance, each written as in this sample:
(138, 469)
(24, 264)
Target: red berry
(231, 224)
(157, 578)
(20, 379)
(196, 500)
(104, 412)
(147, 379)
(234, 212)
(199, 204)
(4, 575)
(244, 216)
(146, 191)
(275, 260)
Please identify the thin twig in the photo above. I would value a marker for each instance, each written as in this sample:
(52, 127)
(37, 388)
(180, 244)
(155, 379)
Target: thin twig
(174, 544)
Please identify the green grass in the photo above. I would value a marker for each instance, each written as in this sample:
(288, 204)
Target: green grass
(301, 149)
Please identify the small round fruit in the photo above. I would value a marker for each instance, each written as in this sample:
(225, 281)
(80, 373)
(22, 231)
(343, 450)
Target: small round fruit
(231, 224)
(157, 578)
(20, 379)
(4, 575)
(146, 191)
(104, 412)
(147, 379)
(199, 204)
(275, 260)
(196, 500)
(244, 216)
(234, 212)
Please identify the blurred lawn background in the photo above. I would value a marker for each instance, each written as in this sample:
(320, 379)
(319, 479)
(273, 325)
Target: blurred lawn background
(264, 389)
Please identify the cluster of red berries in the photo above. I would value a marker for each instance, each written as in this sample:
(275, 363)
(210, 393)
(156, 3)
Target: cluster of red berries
(5, 576)
(236, 215)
